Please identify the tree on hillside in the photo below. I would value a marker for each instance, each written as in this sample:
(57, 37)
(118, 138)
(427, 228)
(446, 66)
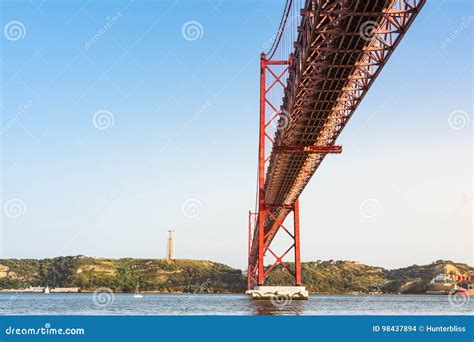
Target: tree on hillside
(60, 272)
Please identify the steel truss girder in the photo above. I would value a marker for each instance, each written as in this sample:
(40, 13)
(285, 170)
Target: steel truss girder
(307, 149)
(330, 72)
(322, 84)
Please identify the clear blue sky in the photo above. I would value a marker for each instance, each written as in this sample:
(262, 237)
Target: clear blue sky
(184, 134)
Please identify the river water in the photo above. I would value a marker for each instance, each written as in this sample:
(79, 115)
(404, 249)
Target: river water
(218, 304)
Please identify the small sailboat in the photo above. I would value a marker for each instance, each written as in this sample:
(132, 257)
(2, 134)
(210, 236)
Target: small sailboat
(46, 289)
(137, 293)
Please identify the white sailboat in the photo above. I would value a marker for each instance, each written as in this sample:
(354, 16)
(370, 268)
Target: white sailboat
(46, 289)
(137, 293)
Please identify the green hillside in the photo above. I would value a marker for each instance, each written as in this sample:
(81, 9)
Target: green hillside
(415, 279)
(334, 277)
(331, 276)
(121, 274)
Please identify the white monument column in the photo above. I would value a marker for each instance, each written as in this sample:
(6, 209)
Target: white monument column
(170, 246)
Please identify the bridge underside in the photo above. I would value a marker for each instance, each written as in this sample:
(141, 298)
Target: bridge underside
(341, 47)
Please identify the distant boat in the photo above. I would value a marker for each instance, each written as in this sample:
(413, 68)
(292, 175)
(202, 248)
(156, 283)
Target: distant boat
(137, 293)
(46, 289)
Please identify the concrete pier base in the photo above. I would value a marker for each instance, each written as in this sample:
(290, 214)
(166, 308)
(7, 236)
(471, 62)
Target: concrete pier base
(278, 292)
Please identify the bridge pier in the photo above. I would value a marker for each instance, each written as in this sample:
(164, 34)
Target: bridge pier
(279, 293)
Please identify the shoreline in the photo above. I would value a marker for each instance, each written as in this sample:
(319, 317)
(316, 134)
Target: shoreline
(80, 274)
(18, 291)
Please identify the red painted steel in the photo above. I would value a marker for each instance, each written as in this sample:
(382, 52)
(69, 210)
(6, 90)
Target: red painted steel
(307, 149)
(297, 243)
(248, 249)
(340, 48)
(256, 272)
(261, 167)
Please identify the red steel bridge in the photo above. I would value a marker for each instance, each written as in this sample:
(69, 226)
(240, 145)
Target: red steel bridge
(322, 61)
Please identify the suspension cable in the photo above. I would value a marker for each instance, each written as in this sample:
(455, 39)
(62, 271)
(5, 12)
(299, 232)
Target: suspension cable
(281, 29)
